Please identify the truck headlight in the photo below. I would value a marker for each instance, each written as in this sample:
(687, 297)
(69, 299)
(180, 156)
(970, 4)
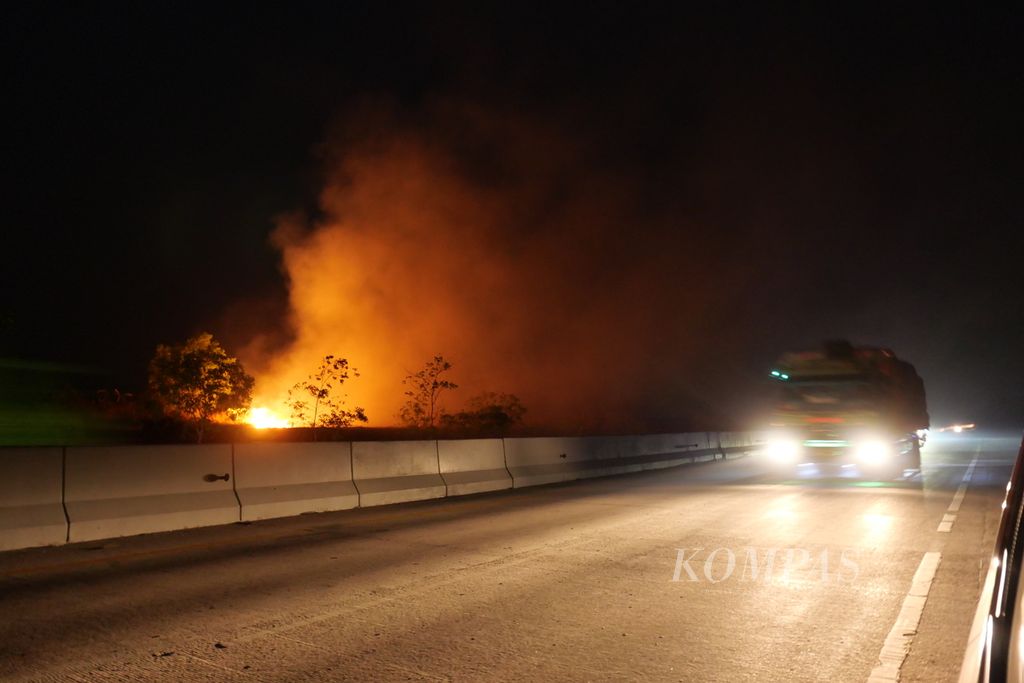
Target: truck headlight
(782, 450)
(871, 452)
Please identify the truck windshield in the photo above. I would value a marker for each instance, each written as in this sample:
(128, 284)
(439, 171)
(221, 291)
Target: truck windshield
(826, 396)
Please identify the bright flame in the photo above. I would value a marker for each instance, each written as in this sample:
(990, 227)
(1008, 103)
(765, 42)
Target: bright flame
(265, 418)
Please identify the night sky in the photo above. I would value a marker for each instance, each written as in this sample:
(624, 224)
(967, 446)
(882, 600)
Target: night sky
(672, 197)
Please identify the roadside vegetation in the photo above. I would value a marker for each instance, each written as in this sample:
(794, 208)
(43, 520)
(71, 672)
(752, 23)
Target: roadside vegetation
(317, 402)
(196, 391)
(197, 382)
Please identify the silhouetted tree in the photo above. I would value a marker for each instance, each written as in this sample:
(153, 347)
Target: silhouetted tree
(198, 380)
(425, 388)
(311, 402)
(487, 412)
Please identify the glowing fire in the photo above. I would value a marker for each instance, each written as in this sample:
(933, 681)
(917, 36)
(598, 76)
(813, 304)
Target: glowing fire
(265, 418)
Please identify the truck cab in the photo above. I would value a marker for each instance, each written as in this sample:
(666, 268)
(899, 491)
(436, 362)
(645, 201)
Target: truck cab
(847, 410)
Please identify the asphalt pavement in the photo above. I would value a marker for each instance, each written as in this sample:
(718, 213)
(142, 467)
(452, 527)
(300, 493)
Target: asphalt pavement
(723, 571)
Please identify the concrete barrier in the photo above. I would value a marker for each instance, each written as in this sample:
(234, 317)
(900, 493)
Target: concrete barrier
(607, 455)
(546, 460)
(736, 443)
(118, 491)
(658, 451)
(284, 479)
(31, 512)
(124, 490)
(473, 466)
(650, 451)
(543, 460)
(387, 472)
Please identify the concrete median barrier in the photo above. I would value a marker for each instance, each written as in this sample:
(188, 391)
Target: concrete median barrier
(546, 460)
(31, 512)
(736, 443)
(473, 466)
(387, 472)
(543, 460)
(608, 455)
(284, 479)
(125, 490)
(658, 451)
(50, 495)
(622, 454)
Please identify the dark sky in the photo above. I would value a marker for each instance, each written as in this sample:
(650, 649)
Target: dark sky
(808, 174)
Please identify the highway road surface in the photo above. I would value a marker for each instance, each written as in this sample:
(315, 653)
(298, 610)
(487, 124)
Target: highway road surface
(709, 572)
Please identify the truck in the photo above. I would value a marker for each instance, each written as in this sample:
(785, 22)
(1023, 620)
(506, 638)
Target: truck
(847, 409)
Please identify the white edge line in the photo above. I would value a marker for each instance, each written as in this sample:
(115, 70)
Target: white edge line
(897, 643)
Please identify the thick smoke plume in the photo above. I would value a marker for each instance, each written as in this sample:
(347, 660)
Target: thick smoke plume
(499, 244)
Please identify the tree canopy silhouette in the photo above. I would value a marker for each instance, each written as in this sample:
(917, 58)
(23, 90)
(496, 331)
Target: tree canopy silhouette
(197, 381)
(421, 408)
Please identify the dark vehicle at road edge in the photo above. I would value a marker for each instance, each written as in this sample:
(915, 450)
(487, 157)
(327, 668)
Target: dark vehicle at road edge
(994, 647)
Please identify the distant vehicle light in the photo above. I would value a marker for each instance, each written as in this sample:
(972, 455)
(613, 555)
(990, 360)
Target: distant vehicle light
(958, 428)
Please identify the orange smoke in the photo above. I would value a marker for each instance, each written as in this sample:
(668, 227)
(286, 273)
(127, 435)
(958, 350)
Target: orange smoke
(397, 273)
(516, 263)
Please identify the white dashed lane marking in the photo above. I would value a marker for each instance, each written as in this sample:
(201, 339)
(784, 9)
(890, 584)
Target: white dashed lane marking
(946, 525)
